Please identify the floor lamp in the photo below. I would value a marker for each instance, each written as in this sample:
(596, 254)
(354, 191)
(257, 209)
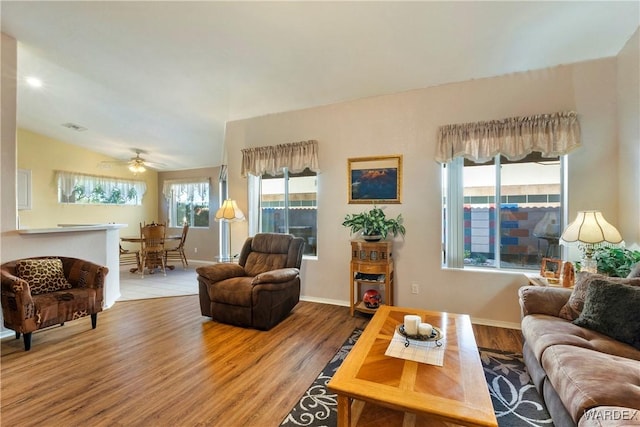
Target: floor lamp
(229, 212)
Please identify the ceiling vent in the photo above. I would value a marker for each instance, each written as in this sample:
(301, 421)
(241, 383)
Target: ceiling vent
(74, 126)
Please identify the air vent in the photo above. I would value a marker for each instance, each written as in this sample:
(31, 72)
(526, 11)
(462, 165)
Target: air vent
(74, 126)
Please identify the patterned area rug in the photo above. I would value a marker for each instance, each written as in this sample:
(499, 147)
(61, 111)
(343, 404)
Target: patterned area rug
(515, 399)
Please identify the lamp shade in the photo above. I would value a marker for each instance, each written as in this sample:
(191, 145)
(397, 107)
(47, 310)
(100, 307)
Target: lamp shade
(229, 211)
(591, 227)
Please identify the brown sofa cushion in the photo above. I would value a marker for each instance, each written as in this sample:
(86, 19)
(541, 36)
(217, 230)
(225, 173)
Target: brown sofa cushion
(584, 379)
(614, 310)
(573, 307)
(43, 275)
(542, 331)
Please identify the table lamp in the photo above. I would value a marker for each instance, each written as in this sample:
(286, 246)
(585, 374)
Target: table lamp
(591, 231)
(229, 212)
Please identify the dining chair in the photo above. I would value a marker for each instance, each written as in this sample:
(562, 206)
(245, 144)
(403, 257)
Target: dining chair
(177, 253)
(128, 257)
(152, 248)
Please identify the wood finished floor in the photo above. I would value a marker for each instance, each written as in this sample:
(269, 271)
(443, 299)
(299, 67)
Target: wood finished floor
(158, 362)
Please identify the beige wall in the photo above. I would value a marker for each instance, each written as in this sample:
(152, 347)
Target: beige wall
(604, 93)
(43, 156)
(406, 123)
(629, 133)
(8, 91)
(202, 243)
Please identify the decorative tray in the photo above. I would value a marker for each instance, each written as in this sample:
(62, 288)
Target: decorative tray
(436, 335)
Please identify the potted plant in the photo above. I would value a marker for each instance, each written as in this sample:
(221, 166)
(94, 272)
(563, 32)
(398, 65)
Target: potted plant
(616, 262)
(374, 225)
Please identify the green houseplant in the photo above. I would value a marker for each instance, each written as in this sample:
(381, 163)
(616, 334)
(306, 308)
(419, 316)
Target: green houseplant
(616, 262)
(374, 224)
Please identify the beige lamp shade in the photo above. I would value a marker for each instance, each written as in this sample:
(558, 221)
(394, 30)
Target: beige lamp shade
(590, 227)
(229, 211)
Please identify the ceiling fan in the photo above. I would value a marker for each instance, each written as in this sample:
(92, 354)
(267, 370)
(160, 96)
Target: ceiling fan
(135, 164)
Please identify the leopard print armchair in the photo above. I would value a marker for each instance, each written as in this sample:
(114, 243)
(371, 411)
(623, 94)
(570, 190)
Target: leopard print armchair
(40, 292)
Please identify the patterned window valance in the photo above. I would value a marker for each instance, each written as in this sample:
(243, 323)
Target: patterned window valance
(187, 188)
(82, 188)
(550, 134)
(296, 156)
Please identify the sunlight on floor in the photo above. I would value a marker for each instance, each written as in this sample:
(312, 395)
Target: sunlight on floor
(177, 282)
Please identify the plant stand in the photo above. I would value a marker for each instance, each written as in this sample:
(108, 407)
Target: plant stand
(371, 266)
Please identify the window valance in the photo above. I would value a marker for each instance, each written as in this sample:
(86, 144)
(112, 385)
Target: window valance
(296, 156)
(550, 134)
(86, 188)
(187, 188)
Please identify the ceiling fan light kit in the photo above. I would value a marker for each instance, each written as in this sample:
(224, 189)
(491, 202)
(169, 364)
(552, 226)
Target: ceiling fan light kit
(136, 167)
(135, 164)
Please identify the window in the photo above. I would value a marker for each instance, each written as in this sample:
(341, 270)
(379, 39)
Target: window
(288, 204)
(188, 202)
(80, 188)
(502, 214)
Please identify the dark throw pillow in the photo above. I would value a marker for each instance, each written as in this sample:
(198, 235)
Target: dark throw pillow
(573, 307)
(612, 309)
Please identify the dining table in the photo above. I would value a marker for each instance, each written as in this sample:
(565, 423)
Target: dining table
(138, 239)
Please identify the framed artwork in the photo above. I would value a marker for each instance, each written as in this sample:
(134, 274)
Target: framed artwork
(375, 180)
(551, 268)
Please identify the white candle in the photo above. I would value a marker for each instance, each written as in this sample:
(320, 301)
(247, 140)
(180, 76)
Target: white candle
(411, 322)
(425, 329)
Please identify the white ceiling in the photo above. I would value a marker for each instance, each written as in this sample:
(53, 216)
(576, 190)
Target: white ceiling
(164, 77)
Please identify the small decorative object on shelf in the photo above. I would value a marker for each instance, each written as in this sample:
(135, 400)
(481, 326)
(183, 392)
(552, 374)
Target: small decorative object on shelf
(371, 298)
(568, 275)
(550, 269)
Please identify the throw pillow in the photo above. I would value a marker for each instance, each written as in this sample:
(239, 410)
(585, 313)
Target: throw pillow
(572, 309)
(612, 309)
(43, 275)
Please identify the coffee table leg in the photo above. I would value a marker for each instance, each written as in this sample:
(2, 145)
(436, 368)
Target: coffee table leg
(344, 411)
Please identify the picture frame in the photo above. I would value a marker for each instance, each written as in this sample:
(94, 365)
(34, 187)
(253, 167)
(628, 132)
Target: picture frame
(551, 268)
(375, 179)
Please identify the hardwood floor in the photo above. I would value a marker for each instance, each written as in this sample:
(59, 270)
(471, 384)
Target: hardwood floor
(159, 362)
(498, 338)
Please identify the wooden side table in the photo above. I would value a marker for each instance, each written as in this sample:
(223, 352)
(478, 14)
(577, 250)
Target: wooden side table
(537, 280)
(371, 266)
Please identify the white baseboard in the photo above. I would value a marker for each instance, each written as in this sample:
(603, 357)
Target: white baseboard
(325, 301)
(478, 321)
(496, 323)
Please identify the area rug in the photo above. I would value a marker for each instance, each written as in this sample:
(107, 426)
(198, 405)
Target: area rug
(515, 400)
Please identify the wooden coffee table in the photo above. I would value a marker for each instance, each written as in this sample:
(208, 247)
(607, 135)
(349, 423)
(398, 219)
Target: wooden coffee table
(373, 388)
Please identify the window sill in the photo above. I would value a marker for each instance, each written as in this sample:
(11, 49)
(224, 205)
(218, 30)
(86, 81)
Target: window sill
(492, 270)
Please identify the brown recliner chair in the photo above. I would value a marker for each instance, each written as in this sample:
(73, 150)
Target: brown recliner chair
(40, 292)
(261, 289)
